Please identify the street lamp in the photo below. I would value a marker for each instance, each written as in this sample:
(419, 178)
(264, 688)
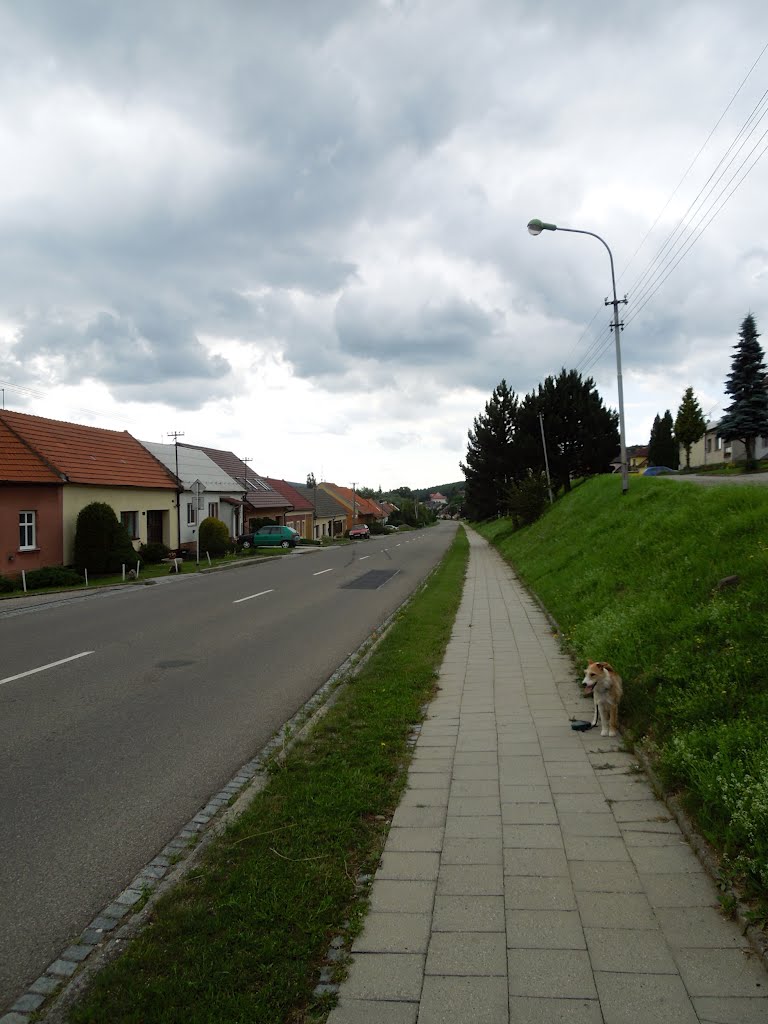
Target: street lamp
(535, 227)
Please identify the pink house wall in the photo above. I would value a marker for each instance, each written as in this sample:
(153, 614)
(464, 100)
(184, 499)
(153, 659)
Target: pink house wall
(46, 502)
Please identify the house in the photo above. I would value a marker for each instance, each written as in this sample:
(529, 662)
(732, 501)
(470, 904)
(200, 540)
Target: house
(387, 508)
(300, 515)
(329, 515)
(436, 501)
(637, 458)
(359, 509)
(208, 490)
(711, 450)
(261, 501)
(50, 470)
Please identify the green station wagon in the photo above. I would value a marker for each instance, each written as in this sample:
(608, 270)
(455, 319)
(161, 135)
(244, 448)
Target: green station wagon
(269, 536)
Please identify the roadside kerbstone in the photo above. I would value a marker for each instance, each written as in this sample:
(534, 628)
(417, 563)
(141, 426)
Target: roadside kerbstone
(76, 953)
(45, 985)
(62, 968)
(28, 1003)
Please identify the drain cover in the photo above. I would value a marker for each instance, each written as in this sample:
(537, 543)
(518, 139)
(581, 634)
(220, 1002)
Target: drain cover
(371, 580)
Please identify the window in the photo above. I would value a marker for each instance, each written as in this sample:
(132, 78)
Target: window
(191, 513)
(213, 509)
(719, 444)
(130, 521)
(27, 538)
(709, 444)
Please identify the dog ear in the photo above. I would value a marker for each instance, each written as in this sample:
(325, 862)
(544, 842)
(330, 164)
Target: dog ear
(607, 667)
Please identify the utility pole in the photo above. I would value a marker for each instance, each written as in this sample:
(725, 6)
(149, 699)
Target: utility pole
(245, 460)
(546, 460)
(354, 503)
(176, 434)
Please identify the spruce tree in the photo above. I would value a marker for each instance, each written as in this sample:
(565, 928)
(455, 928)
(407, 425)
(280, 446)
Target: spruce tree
(746, 418)
(669, 449)
(690, 424)
(653, 443)
(491, 457)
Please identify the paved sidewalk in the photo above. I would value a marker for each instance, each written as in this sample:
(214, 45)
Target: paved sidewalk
(530, 875)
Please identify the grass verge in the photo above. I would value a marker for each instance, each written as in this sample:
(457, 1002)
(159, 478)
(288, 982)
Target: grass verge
(646, 581)
(242, 939)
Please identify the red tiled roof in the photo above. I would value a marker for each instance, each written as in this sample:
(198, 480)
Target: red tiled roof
(362, 506)
(19, 464)
(299, 502)
(87, 455)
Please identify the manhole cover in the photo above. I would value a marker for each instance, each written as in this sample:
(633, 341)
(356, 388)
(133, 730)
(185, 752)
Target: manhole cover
(371, 580)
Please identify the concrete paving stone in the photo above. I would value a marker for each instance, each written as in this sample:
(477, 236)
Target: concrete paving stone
(400, 896)
(469, 745)
(425, 798)
(722, 972)
(388, 976)
(473, 827)
(77, 953)
(414, 840)
(419, 817)
(479, 1000)
(471, 880)
(525, 794)
(605, 876)
(581, 803)
(526, 893)
(602, 824)
(552, 974)
(353, 1011)
(665, 860)
(62, 968)
(528, 814)
(28, 1003)
(631, 998)
(417, 866)
(662, 824)
(639, 810)
(468, 914)
(639, 837)
(544, 929)
(625, 788)
(475, 773)
(616, 910)
(522, 771)
(45, 985)
(574, 784)
(676, 890)
(699, 927)
(628, 951)
(595, 848)
(14, 1018)
(431, 765)
(527, 1010)
(472, 851)
(732, 1011)
(394, 933)
(538, 863)
(473, 788)
(462, 954)
(474, 805)
(532, 837)
(576, 766)
(475, 757)
(509, 747)
(427, 780)
(436, 742)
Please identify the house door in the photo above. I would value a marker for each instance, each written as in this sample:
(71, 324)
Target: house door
(155, 526)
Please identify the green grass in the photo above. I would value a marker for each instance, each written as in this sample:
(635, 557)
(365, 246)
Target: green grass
(242, 938)
(633, 580)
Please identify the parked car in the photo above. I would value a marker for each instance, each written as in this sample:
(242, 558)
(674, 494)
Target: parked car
(269, 536)
(658, 471)
(359, 531)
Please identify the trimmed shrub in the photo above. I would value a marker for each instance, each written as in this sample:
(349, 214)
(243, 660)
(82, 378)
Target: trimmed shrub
(153, 554)
(214, 536)
(53, 576)
(102, 544)
(6, 585)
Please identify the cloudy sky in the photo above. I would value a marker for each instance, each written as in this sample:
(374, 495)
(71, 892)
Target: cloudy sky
(296, 229)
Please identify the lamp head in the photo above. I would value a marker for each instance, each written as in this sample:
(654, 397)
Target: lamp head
(536, 226)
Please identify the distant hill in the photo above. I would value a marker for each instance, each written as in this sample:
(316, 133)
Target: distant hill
(448, 490)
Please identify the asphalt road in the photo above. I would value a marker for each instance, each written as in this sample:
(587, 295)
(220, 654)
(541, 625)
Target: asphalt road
(171, 689)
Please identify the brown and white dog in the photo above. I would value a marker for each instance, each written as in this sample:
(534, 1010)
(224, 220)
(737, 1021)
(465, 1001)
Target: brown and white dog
(603, 682)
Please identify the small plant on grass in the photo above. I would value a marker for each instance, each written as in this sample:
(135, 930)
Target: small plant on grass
(214, 537)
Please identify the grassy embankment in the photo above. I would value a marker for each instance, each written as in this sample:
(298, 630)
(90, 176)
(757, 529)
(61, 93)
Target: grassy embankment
(635, 580)
(243, 937)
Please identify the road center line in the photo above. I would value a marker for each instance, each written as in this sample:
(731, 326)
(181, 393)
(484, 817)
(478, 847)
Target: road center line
(322, 571)
(362, 558)
(42, 668)
(251, 596)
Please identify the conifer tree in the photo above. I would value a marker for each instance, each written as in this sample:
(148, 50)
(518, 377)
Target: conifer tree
(491, 458)
(690, 424)
(746, 418)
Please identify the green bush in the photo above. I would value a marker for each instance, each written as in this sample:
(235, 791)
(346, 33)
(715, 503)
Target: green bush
(102, 544)
(6, 585)
(52, 576)
(152, 554)
(214, 536)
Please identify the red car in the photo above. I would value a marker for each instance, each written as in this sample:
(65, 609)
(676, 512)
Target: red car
(359, 532)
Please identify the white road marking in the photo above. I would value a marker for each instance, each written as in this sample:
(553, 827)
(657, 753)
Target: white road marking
(321, 572)
(362, 558)
(42, 668)
(251, 597)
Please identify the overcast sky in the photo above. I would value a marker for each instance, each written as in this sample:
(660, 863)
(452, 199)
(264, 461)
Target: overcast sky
(297, 229)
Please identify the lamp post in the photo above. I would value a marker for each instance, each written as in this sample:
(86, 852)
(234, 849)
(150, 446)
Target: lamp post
(535, 227)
